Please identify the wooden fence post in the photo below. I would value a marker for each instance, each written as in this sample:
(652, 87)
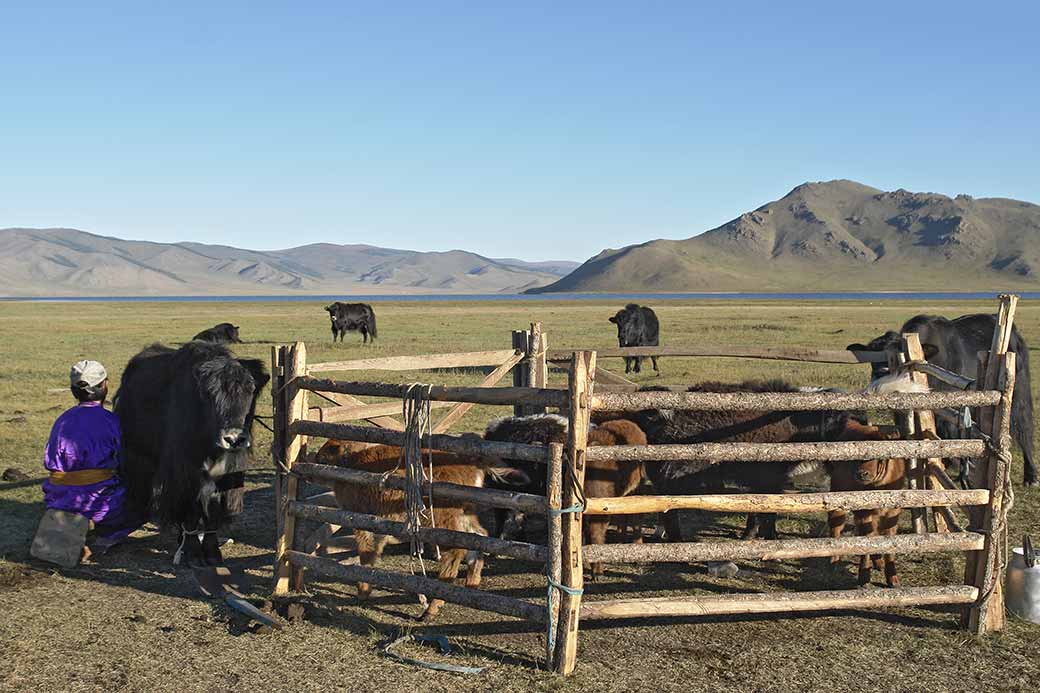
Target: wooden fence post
(554, 500)
(295, 365)
(277, 447)
(521, 340)
(537, 366)
(987, 615)
(580, 387)
(924, 422)
(905, 421)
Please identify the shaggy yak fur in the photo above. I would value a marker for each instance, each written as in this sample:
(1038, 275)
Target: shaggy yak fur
(347, 317)
(867, 476)
(603, 479)
(954, 345)
(186, 415)
(636, 326)
(389, 503)
(693, 477)
(224, 333)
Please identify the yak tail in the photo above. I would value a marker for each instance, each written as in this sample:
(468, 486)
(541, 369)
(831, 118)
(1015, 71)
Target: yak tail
(372, 323)
(895, 382)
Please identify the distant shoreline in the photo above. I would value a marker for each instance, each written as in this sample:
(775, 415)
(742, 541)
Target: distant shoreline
(562, 296)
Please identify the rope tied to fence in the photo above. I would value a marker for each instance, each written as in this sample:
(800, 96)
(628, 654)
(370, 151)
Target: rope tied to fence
(553, 585)
(415, 407)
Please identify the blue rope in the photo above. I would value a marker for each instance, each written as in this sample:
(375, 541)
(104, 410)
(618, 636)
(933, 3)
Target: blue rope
(554, 585)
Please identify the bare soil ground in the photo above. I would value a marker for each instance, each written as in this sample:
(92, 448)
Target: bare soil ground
(131, 621)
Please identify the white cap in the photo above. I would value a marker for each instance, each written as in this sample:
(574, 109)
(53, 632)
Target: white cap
(90, 372)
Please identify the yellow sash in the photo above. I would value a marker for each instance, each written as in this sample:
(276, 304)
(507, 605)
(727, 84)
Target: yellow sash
(83, 477)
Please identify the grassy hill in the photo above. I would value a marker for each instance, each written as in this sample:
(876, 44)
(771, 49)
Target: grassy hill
(836, 236)
(63, 262)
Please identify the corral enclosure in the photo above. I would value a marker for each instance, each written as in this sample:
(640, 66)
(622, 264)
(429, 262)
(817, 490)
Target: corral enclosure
(132, 599)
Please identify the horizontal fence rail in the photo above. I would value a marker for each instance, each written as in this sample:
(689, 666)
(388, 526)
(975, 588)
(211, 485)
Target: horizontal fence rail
(769, 353)
(439, 393)
(418, 362)
(786, 502)
(791, 401)
(778, 603)
(433, 535)
(768, 550)
(465, 444)
(443, 491)
(415, 584)
(788, 452)
(364, 411)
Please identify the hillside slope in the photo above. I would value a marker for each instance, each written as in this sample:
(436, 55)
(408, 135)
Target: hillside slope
(66, 262)
(836, 236)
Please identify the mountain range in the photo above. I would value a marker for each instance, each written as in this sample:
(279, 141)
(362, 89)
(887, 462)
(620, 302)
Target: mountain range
(68, 262)
(829, 236)
(836, 236)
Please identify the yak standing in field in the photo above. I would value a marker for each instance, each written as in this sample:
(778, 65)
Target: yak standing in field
(636, 326)
(350, 317)
(954, 345)
(187, 416)
(224, 333)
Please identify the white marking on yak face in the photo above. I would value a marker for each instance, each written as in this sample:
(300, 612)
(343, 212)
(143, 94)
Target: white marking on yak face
(233, 438)
(230, 461)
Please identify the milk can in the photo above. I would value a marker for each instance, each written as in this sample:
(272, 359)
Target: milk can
(1022, 593)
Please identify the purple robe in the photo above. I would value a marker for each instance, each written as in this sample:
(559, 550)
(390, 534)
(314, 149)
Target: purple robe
(87, 437)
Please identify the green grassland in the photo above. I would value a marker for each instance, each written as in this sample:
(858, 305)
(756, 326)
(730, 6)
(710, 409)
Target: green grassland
(130, 621)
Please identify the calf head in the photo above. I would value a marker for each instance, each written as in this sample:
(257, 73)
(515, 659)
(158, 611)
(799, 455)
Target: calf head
(228, 389)
(890, 343)
(233, 335)
(630, 325)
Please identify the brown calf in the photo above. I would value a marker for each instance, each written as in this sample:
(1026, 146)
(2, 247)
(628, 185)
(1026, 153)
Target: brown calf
(869, 475)
(610, 479)
(390, 504)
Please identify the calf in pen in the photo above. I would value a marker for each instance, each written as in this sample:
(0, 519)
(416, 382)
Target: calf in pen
(390, 503)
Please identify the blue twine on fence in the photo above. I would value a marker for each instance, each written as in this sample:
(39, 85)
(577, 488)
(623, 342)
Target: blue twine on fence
(552, 585)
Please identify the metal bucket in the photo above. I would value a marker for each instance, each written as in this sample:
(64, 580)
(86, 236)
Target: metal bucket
(1022, 588)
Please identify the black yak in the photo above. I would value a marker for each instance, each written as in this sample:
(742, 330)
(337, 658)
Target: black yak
(347, 317)
(186, 415)
(224, 333)
(954, 345)
(636, 326)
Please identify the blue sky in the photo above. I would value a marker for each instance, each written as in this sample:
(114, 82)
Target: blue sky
(538, 130)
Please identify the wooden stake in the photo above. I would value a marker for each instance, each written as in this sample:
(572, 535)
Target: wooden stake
(904, 420)
(520, 343)
(988, 614)
(286, 576)
(580, 387)
(554, 500)
(924, 422)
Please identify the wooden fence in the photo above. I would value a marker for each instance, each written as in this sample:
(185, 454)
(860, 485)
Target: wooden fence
(562, 556)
